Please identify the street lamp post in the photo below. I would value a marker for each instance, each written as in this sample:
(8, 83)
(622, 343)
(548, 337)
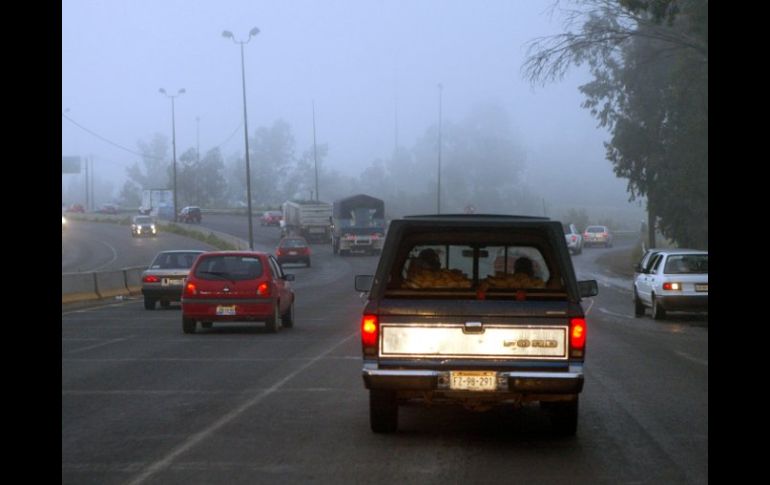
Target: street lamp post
(173, 138)
(438, 194)
(229, 35)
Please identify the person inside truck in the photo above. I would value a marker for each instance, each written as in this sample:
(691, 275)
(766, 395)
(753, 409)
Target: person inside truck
(427, 259)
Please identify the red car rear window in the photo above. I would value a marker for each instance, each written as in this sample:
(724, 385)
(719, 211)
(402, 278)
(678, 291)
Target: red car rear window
(230, 267)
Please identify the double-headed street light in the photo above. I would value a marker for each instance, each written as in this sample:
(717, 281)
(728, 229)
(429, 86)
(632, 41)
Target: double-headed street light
(229, 35)
(173, 138)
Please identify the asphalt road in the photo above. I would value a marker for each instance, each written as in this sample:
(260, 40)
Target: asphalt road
(144, 403)
(102, 246)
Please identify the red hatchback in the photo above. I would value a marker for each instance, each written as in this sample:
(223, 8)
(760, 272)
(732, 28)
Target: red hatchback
(293, 249)
(227, 286)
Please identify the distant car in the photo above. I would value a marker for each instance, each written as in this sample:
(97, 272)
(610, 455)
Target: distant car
(190, 214)
(225, 286)
(108, 209)
(164, 279)
(573, 237)
(76, 208)
(597, 235)
(143, 226)
(673, 280)
(293, 249)
(271, 218)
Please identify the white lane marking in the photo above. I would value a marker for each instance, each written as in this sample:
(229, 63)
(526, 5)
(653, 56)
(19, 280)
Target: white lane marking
(114, 257)
(202, 435)
(589, 306)
(109, 342)
(99, 307)
(692, 359)
(203, 359)
(177, 392)
(614, 314)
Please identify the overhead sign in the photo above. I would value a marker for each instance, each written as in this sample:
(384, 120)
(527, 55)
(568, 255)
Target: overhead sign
(70, 164)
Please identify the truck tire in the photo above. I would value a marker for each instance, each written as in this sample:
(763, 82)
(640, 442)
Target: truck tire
(383, 411)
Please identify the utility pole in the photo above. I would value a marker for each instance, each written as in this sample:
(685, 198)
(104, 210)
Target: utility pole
(198, 139)
(438, 192)
(315, 156)
(86, 181)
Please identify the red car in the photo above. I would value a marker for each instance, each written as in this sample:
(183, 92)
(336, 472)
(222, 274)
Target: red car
(293, 249)
(271, 218)
(226, 286)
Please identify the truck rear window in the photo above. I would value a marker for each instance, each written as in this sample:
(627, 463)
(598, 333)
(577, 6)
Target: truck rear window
(472, 270)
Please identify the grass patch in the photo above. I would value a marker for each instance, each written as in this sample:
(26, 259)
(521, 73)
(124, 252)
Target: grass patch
(210, 238)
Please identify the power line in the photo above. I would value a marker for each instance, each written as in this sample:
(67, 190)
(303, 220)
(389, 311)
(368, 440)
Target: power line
(137, 153)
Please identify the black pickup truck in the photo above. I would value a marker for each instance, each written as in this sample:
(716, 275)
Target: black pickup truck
(480, 310)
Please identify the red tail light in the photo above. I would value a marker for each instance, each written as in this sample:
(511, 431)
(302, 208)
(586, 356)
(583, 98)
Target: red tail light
(263, 289)
(577, 336)
(190, 289)
(369, 333)
(574, 238)
(151, 279)
(672, 286)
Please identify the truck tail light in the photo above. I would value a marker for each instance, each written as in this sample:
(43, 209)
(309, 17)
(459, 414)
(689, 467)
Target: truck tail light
(577, 337)
(370, 329)
(151, 278)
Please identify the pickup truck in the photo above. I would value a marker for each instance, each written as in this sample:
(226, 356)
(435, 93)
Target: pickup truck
(480, 310)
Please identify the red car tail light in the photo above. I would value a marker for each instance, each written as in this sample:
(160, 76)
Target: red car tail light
(263, 289)
(151, 279)
(577, 336)
(672, 286)
(190, 289)
(370, 330)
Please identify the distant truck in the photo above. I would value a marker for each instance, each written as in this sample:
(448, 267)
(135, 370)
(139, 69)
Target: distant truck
(157, 203)
(310, 219)
(358, 225)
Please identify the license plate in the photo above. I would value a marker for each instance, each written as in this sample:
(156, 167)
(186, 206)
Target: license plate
(473, 380)
(171, 282)
(226, 310)
(293, 253)
(701, 287)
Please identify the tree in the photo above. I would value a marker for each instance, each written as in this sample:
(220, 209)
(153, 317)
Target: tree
(201, 182)
(649, 60)
(154, 162)
(130, 195)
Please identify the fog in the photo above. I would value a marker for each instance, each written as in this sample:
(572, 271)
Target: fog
(370, 68)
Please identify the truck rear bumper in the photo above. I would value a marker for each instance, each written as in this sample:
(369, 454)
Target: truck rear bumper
(570, 382)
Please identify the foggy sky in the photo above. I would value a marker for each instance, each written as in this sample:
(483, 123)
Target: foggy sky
(359, 60)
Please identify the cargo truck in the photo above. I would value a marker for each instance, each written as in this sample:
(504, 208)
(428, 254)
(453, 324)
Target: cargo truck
(310, 219)
(358, 225)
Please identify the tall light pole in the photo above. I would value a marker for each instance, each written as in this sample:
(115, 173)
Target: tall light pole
(438, 194)
(173, 137)
(229, 35)
(315, 157)
(198, 139)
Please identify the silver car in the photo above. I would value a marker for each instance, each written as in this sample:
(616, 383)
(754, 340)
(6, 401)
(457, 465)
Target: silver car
(574, 238)
(597, 235)
(143, 226)
(675, 280)
(164, 280)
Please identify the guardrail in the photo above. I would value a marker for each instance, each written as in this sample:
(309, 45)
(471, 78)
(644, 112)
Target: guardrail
(101, 285)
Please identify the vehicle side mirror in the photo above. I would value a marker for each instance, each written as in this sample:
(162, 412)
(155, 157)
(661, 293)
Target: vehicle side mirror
(588, 288)
(288, 277)
(364, 282)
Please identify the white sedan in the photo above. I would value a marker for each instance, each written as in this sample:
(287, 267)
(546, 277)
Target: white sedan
(674, 280)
